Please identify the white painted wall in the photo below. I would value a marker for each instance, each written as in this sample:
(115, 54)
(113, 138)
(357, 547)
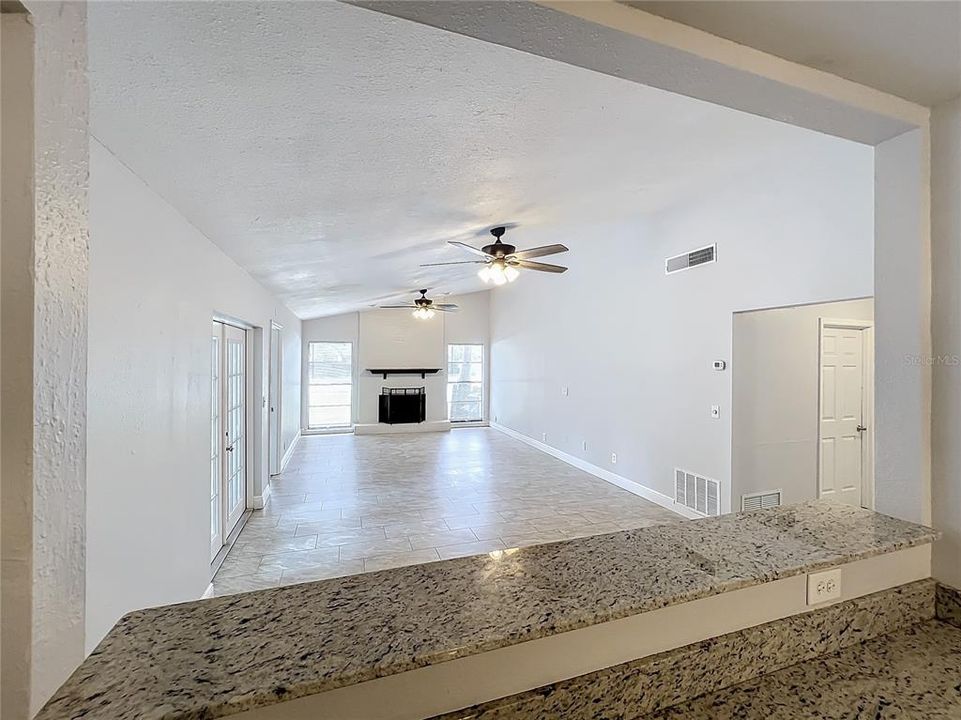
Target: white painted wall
(635, 347)
(774, 374)
(946, 331)
(155, 283)
(902, 308)
(394, 338)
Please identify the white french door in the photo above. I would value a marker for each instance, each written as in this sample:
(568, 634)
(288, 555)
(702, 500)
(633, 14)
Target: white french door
(228, 413)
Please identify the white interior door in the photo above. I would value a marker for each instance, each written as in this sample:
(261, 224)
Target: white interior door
(842, 414)
(234, 487)
(273, 400)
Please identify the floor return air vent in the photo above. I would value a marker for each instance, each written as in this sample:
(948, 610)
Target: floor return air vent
(700, 494)
(687, 260)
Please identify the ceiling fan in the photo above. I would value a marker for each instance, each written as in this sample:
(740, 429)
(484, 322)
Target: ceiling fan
(501, 260)
(423, 307)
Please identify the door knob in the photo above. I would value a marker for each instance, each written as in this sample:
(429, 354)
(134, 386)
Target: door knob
(861, 428)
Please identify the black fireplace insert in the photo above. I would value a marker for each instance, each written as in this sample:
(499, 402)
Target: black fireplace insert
(402, 405)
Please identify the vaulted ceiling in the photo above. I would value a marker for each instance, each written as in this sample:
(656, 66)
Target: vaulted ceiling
(330, 150)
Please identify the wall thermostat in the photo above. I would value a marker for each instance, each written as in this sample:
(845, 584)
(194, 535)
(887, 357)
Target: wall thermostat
(719, 364)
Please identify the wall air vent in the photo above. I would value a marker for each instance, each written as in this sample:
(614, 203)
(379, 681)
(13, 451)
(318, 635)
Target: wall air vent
(696, 492)
(687, 260)
(761, 500)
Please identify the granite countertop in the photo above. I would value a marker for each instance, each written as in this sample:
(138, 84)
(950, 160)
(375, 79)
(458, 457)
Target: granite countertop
(213, 658)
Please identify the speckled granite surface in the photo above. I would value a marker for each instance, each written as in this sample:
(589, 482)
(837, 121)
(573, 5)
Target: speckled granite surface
(638, 688)
(913, 674)
(948, 605)
(216, 657)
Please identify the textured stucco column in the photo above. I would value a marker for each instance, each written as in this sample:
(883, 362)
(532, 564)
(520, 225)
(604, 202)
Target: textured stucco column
(51, 490)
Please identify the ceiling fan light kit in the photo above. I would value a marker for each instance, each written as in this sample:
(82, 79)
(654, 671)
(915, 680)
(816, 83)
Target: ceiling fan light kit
(502, 261)
(423, 308)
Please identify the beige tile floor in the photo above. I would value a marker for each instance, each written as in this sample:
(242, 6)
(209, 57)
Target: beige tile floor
(349, 504)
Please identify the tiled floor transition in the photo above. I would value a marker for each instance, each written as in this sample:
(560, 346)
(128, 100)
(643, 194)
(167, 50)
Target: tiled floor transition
(349, 504)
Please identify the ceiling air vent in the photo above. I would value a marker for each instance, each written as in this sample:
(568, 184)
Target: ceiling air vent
(761, 500)
(687, 260)
(699, 493)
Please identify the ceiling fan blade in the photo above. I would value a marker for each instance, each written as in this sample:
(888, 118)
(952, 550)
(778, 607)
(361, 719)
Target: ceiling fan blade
(469, 248)
(398, 307)
(543, 267)
(459, 262)
(538, 252)
(444, 306)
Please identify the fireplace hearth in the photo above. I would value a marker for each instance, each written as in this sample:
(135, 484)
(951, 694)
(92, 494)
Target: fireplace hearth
(402, 405)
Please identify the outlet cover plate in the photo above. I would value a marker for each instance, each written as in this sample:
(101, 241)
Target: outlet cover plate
(824, 586)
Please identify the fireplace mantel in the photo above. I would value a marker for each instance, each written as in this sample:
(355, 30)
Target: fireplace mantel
(423, 372)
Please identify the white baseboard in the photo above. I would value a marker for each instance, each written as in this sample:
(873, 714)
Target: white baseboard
(385, 429)
(259, 502)
(289, 453)
(622, 482)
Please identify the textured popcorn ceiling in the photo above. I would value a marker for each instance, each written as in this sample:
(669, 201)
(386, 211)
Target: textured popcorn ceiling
(329, 149)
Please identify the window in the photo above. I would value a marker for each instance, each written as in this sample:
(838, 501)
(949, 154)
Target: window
(329, 377)
(465, 383)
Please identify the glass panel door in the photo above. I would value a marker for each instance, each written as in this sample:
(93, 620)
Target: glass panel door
(235, 419)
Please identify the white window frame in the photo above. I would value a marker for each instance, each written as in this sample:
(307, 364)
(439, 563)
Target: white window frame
(482, 382)
(350, 385)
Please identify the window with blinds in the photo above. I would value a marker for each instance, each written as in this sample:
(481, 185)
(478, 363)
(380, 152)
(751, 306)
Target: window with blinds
(329, 384)
(465, 383)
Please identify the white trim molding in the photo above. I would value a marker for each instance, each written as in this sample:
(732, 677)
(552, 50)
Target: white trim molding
(622, 482)
(290, 451)
(332, 430)
(259, 502)
(400, 428)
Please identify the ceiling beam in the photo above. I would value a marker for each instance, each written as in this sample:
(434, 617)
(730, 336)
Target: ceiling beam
(621, 41)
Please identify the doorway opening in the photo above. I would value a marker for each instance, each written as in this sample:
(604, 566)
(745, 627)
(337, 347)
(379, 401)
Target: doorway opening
(846, 411)
(229, 434)
(776, 403)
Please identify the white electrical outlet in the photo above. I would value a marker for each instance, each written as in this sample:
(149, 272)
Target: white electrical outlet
(544, 437)
(564, 391)
(716, 412)
(584, 446)
(824, 586)
(613, 458)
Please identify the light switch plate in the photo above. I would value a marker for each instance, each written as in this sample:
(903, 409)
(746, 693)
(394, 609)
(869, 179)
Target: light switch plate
(824, 586)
